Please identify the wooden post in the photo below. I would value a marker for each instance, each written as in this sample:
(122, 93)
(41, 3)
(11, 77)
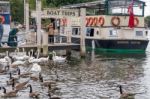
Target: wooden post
(69, 30)
(83, 32)
(26, 14)
(38, 22)
(45, 43)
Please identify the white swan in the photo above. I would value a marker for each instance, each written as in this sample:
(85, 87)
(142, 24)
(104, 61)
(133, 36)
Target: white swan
(36, 68)
(58, 59)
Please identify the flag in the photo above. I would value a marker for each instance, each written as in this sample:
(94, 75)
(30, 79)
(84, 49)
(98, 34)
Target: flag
(131, 15)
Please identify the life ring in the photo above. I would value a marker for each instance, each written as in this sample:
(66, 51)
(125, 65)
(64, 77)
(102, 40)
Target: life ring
(101, 21)
(136, 21)
(115, 21)
(2, 19)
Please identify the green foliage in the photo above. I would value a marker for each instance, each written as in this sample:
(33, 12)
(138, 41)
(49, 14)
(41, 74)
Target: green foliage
(17, 10)
(17, 6)
(147, 21)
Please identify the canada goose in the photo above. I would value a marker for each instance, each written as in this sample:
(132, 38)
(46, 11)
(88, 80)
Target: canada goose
(45, 83)
(126, 95)
(20, 86)
(2, 71)
(32, 94)
(50, 97)
(12, 93)
(23, 75)
(52, 90)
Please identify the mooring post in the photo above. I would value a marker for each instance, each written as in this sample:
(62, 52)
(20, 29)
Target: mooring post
(38, 22)
(83, 32)
(45, 43)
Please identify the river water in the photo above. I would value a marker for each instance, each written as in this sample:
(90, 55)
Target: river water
(95, 77)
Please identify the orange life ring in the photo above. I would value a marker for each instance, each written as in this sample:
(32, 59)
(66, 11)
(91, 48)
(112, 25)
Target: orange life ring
(136, 21)
(2, 19)
(101, 21)
(115, 21)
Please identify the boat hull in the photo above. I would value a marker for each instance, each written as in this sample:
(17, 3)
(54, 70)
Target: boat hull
(116, 45)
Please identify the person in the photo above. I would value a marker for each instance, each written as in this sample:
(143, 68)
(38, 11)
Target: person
(12, 39)
(1, 31)
(50, 30)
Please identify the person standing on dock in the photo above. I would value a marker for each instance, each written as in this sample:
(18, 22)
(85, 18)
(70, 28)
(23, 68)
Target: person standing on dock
(1, 31)
(50, 30)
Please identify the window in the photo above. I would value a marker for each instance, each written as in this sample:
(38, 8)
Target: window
(90, 32)
(113, 32)
(139, 33)
(75, 31)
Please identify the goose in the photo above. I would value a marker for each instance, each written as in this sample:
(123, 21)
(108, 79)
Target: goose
(23, 75)
(126, 95)
(50, 97)
(52, 90)
(58, 59)
(35, 78)
(12, 93)
(3, 71)
(36, 68)
(32, 94)
(45, 83)
(19, 86)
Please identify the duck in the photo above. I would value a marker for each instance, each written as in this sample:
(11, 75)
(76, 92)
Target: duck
(32, 94)
(36, 68)
(12, 93)
(125, 95)
(58, 59)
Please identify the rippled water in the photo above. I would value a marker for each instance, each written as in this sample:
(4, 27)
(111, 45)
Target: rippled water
(95, 77)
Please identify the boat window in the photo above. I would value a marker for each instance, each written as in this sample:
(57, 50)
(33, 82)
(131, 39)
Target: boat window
(113, 32)
(120, 7)
(139, 33)
(90, 32)
(75, 31)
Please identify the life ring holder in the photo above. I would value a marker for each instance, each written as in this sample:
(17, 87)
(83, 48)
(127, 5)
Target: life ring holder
(2, 19)
(115, 23)
(136, 21)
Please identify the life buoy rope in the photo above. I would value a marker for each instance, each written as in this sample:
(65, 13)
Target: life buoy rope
(115, 21)
(2, 18)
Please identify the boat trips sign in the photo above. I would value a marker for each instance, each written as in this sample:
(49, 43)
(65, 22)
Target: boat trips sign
(48, 13)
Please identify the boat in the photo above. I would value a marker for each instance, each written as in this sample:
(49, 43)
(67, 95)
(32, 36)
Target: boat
(107, 25)
(5, 19)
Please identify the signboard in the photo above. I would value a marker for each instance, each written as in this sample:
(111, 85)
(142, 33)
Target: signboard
(57, 13)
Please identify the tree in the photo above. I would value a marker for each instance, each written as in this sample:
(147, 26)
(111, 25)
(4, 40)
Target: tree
(147, 21)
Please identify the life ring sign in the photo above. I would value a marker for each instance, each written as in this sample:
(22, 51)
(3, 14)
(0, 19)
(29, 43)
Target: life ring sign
(95, 21)
(136, 21)
(2, 19)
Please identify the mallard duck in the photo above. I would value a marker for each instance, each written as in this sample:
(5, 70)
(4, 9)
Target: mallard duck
(126, 95)
(32, 94)
(12, 93)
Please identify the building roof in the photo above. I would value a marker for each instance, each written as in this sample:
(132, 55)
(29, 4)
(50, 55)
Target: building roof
(94, 4)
